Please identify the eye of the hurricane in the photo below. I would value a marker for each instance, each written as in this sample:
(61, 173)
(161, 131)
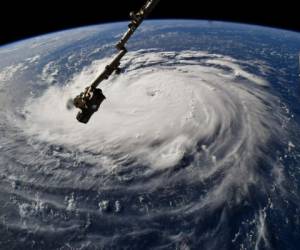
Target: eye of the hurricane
(167, 108)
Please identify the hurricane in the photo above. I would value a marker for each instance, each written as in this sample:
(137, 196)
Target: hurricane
(187, 148)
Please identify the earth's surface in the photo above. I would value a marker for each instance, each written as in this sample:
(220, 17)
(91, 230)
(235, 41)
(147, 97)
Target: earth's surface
(196, 146)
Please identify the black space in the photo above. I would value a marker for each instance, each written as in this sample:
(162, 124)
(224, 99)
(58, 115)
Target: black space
(29, 18)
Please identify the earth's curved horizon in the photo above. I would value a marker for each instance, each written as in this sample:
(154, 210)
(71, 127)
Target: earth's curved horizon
(196, 146)
(208, 22)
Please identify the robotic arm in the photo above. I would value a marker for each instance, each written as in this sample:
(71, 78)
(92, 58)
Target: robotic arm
(136, 20)
(90, 100)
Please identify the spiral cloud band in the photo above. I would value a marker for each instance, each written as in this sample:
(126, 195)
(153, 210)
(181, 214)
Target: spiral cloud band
(191, 119)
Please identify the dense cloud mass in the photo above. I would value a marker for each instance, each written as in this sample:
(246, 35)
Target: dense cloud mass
(165, 106)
